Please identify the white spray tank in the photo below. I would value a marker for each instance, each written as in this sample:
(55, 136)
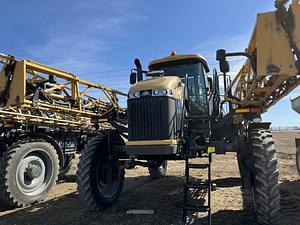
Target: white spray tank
(296, 104)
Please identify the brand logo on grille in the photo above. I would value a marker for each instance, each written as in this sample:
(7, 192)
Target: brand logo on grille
(146, 93)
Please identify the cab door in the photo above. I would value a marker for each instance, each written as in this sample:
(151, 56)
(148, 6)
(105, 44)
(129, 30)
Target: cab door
(197, 93)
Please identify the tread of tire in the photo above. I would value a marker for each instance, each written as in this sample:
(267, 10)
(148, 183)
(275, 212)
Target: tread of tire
(266, 177)
(84, 185)
(297, 160)
(7, 198)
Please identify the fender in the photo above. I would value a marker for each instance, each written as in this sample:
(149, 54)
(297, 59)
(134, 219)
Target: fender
(48, 139)
(262, 125)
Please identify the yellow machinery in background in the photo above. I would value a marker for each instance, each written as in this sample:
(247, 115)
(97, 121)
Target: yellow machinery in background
(46, 116)
(33, 93)
(273, 66)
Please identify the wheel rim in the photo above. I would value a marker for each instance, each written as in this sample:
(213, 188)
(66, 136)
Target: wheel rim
(34, 172)
(162, 167)
(108, 178)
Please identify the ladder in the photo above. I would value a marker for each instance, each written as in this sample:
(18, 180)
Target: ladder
(201, 152)
(200, 186)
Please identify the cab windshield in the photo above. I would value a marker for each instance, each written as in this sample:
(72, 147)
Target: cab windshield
(196, 84)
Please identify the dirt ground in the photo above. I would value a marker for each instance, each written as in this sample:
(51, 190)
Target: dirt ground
(164, 196)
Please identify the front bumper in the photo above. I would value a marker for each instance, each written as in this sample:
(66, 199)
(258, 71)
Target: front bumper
(155, 147)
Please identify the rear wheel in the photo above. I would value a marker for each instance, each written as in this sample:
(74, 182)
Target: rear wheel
(157, 169)
(298, 160)
(28, 171)
(100, 177)
(265, 177)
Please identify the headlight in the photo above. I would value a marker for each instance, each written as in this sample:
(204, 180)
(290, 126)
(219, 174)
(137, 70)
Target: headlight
(155, 92)
(134, 95)
(162, 92)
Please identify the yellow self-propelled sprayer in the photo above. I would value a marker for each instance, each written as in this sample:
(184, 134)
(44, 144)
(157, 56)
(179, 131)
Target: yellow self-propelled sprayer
(176, 112)
(46, 116)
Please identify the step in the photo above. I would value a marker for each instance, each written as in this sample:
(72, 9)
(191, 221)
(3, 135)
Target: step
(197, 166)
(199, 130)
(196, 208)
(204, 148)
(194, 117)
(200, 186)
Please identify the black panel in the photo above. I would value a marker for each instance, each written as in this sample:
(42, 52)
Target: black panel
(151, 118)
(152, 150)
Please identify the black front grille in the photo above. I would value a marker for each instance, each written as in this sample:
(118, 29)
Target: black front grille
(151, 118)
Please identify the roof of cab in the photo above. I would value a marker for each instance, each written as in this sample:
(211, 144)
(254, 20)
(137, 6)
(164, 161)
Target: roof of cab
(181, 57)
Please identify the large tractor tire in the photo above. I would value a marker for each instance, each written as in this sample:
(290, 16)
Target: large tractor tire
(100, 177)
(28, 171)
(157, 169)
(265, 177)
(298, 160)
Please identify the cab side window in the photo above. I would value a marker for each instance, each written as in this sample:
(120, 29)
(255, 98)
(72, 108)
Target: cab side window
(197, 92)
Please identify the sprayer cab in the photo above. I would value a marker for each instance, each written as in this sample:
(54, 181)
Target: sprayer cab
(157, 105)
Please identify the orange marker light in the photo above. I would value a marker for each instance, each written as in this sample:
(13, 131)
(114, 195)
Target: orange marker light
(173, 52)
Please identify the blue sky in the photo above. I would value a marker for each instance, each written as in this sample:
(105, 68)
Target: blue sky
(98, 40)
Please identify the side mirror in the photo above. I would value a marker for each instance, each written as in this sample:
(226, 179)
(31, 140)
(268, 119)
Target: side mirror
(210, 83)
(132, 79)
(221, 57)
(220, 54)
(224, 66)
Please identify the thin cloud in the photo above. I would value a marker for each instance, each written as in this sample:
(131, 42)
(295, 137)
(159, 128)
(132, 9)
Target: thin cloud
(82, 46)
(230, 43)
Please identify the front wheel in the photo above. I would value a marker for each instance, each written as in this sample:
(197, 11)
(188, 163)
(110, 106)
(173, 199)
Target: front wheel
(100, 177)
(298, 160)
(265, 177)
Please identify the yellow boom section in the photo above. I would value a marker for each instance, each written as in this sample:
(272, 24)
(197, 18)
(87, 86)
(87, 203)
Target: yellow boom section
(273, 68)
(33, 93)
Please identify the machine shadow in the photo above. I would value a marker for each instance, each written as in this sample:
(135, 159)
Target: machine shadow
(139, 193)
(4, 208)
(290, 208)
(227, 182)
(164, 196)
(290, 201)
(67, 179)
(225, 217)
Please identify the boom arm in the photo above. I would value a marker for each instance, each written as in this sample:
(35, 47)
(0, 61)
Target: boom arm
(272, 69)
(33, 93)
